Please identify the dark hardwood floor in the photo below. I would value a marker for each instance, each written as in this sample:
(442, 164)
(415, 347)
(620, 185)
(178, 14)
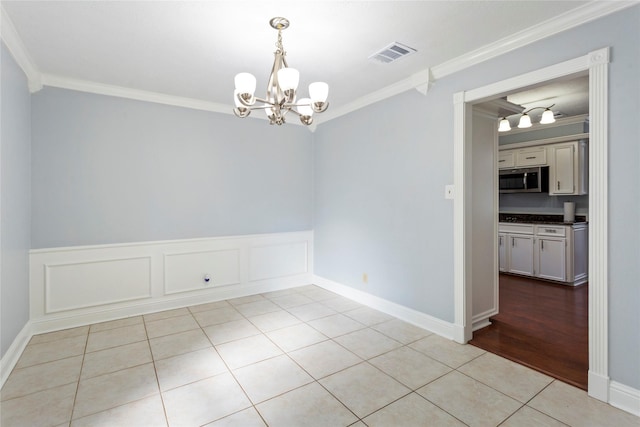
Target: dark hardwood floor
(543, 326)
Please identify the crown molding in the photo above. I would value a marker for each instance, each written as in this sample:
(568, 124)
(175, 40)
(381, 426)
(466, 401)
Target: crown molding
(129, 93)
(19, 52)
(573, 18)
(420, 81)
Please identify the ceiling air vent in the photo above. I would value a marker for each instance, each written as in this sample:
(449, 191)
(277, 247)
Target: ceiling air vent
(392, 52)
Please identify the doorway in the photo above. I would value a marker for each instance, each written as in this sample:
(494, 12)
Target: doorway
(596, 63)
(536, 323)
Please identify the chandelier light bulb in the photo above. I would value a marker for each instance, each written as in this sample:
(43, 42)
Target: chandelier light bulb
(525, 121)
(288, 79)
(547, 117)
(245, 83)
(505, 126)
(319, 91)
(304, 107)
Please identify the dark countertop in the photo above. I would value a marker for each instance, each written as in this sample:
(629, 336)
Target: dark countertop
(539, 218)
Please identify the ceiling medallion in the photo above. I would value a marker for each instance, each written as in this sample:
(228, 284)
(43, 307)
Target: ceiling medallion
(281, 89)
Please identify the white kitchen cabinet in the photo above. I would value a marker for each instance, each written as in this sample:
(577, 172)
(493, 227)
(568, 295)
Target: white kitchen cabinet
(515, 246)
(551, 257)
(503, 261)
(568, 168)
(522, 157)
(521, 254)
(551, 252)
(506, 159)
(532, 156)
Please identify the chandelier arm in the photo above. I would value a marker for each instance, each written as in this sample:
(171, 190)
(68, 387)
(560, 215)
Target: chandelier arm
(535, 108)
(320, 109)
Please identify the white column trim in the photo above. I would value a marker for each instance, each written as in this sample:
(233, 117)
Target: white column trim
(461, 262)
(596, 64)
(598, 225)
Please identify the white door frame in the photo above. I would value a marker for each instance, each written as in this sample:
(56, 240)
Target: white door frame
(596, 63)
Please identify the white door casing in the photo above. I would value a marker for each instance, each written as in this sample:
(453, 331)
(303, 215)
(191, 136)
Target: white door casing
(596, 63)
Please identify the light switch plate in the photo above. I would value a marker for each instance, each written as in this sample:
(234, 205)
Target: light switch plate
(448, 192)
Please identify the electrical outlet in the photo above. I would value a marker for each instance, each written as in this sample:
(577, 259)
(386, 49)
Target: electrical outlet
(365, 278)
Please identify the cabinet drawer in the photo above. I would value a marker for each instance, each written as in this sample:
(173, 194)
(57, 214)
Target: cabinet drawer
(506, 227)
(551, 230)
(506, 159)
(532, 157)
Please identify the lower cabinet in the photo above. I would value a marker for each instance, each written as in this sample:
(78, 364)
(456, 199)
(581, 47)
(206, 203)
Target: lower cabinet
(551, 259)
(551, 252)
(521, 254)
(502, 252)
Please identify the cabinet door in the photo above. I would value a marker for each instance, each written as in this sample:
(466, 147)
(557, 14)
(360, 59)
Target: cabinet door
(536, 156)
(502, 252)
(551, 259)
(563, 170)
(506, 159)
(521, 254)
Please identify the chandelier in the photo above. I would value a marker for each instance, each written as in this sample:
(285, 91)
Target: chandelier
(281, 89)
(525, 119)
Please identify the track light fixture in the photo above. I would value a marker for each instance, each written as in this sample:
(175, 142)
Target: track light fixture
(525, 119)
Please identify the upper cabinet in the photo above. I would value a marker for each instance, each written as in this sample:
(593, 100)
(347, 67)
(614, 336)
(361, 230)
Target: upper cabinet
(522, 157)
(568, 168)
(506, 159)
(532, 156)
(567, 161)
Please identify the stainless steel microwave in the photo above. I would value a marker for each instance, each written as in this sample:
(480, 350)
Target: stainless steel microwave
(524, 180)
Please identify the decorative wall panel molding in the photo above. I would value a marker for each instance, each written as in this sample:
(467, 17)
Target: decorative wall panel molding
(75, 286)
(90, 283)
(285, 259)
(192, 270)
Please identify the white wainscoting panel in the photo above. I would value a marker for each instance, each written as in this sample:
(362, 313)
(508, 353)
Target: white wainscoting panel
(285, 259)
(187, 271)
(80, 285)
(87, 284)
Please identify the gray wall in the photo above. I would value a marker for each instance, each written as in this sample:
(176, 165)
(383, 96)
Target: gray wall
(381, 172)
(15, 194)
(112, 170)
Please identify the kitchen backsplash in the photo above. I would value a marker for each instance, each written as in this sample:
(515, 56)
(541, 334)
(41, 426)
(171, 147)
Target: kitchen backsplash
(541, 203)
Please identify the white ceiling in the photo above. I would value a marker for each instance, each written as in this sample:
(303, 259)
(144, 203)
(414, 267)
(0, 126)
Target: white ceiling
(193, 49)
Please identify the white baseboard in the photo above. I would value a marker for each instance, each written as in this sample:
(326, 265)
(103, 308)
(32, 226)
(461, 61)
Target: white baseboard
(422, 320)
(61, 321)
(14, 352)
(598, 386)
(625, 398)
(481, 324)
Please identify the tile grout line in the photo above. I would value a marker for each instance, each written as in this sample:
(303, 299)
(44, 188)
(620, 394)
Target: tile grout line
(75, 396)
(155, 372)
(229, 370)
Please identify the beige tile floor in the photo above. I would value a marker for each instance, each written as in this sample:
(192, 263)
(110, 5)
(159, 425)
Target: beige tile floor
(303, 356)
